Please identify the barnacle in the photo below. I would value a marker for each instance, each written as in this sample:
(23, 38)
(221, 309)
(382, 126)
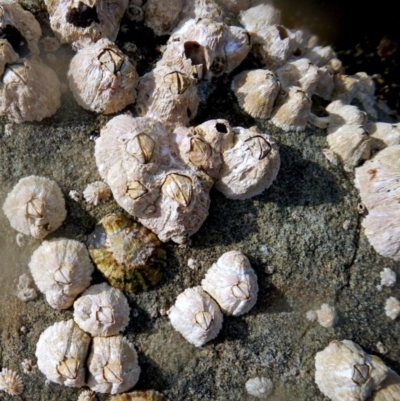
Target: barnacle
(259, 387)
(97, 192)
(11, 382)
(146, 395)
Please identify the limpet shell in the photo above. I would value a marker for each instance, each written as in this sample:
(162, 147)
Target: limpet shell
(128, 254)
(146, 395)
(61, 269)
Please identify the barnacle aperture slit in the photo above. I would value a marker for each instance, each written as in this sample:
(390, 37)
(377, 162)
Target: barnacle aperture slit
(82, 16)
(129, 255)
(16, 40)
(195, 52)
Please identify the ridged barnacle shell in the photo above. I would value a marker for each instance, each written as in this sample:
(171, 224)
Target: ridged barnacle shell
(146, 395)
(87, 395)
(392, 308)
(200, 147)
(129, 154)
(196, 316)
(259, 16)
(231, 281)
(19, 27)
(112, 365)
(11, 382)
(341, 114)
(256, 91)
(326, 316)
(35, 206)
(378, 183)
(345, 372)
(102, 311)
(61, 269)
(259, 387)
(389, 389)
(249, 166)
(129, 255)
(168, 93)
(97, 192)
(27, 83)
(351, 143)
(383, 134)
(82, 22)
(292, 109)
(102, 79)
(7, 55)
(61, 353)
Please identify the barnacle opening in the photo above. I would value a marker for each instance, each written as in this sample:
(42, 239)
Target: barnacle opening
(195, 52)
(218, 65)
(199, 152)
(112, 373)
(105, 315)
(82, 16)
(16, 40)
(111, 60)
(360, 374)
(135, 190)
(258, 147)
(178, 83)
(34, 208)
(221, 127)
(141, 148)
(204, 319)
(283, 33)
(68, 368)
(241, 290)
(178, 187)
(63, 275)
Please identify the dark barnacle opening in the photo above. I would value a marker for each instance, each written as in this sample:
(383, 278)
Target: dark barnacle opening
(195, 52)
(82, 16)
(283, 33)
(16, 40)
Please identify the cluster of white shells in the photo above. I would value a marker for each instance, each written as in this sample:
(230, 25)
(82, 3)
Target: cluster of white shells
(344, 371)
(230, 287)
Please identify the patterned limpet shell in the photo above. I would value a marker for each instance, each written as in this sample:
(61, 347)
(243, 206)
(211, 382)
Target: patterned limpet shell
(146, 395)
(128, 254)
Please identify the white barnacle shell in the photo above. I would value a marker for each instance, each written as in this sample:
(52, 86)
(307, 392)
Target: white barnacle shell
(168, 93)
(344, 114)
(35, 206)
(87, 395)
(392, 308)
(231, 281)
(11, 382)
(237, 45)
(325, 82)
(250, 164)
(259, 387)
(61, 353)
(82, 22)
(256, 91)
(27, 83)
(102, 310)
(292, 109)
(389, 389)
(345, 372)
(377, 181)
(19, 27)
(112, 365)
(388, 277)
(351, 143)
(326, 316)
(196, 316)
(259, 16)
(383, 134)
(97, 192)
(61, 269)
(320, 55)
(7, 55)
(102, 79)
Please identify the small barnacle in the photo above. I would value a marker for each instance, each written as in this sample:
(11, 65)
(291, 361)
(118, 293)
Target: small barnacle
(28, 367)
(61, 269)
(249, 165)
(259, 387)
(129, 256)
(134, 12)
(102, 311)
(19, 27)
(196, 316)
(326, 316)
(259, 16)
(292, 109)
(231, 281)
(26, 83)
(61, 353)
(87, 395)
(35, 206)
(82, 22)
(102, 79)
(25, 289)
(345, 372)
(256, 91)
(112, 365)
(11, 382)
(75, 195)
(343, 114)
(392, 308)
(311, 315)
(383, 134)
(146, 395)
(97, 192)
(388, 277)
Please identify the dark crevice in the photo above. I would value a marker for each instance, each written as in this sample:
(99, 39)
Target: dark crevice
(16, 40)
(83, 16)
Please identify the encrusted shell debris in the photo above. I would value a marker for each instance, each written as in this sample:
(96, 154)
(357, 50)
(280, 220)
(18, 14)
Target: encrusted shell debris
(327, 316)
(112, 365)
(249, 166)
(19, 27)
(35, 206)
(146, 395)
(61, 269)
(25, 289)
(102, 79)
(61, 353)
(102, 310)
(256, 91)
(196, 316)
(388, 277)
(231, 281)
(28, 367)
(162, 15)
(259, 387)
(392, 308)
(82, 22)
(97, 192)
(11, 382)
(26, 83)
(128, 254)
(345, 372)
